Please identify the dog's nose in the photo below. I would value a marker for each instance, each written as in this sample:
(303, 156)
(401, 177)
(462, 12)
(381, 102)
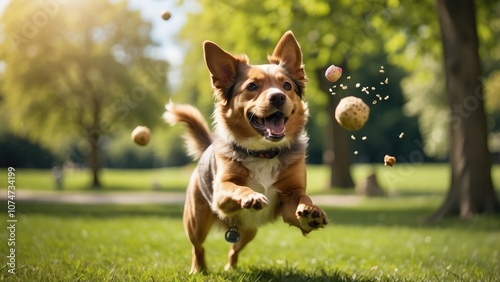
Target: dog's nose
(277, 99)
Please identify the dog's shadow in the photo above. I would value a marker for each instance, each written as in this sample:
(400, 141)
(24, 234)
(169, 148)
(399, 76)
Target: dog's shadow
(290, 274)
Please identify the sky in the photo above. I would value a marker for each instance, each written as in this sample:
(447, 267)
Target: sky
(164, 32)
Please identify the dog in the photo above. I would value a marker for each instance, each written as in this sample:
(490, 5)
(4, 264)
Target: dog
(252, 168)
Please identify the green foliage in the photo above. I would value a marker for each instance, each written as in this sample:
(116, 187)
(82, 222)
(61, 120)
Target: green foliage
(77, 70)
(424, 89)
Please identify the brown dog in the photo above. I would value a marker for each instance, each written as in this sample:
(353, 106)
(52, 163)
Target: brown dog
(252, 168)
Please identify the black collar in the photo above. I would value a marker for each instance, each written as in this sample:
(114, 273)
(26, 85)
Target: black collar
(265, 154)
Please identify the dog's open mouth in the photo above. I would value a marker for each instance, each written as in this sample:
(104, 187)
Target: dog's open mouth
(271, 127)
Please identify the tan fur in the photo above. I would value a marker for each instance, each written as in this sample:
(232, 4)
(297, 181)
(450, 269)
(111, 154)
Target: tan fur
(198, 137)
(252, 167)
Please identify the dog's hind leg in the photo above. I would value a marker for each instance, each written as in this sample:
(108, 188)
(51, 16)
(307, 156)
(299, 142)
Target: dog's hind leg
(246, 236)
(198, 218)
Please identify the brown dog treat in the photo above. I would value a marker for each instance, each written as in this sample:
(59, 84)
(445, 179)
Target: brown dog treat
(352, 113)
(165, 15)
(141, 135)
(389, 160)
(333, 73)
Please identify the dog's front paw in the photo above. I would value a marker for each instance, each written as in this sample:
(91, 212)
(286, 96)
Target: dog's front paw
(311, 218)
(255, 201)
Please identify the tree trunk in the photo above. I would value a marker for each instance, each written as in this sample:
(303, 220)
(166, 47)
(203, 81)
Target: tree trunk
(336, 149)
(471, 191)
(94, 161)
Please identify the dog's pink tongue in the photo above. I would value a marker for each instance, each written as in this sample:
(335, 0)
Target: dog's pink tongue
(275, 125)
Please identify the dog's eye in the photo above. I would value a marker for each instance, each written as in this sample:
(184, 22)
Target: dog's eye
(252, 86)
(287, 86)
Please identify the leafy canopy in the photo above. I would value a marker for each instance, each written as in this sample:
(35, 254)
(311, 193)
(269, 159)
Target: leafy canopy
(77, 68)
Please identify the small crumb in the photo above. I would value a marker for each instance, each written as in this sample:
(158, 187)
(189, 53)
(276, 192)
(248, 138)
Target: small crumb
(381, 71)
(374, 102)
(358, 85)
(349, 77)
(381, 67)
(401, 135)
(381, 83)
(386, 97)
(389, 160)
(333, 93)
(335, 86)
(355, 152)
(353, 137)
(373, 88)
(364, 138)
(344, 88)
(341, 85)
(386, 81)
(331, 90)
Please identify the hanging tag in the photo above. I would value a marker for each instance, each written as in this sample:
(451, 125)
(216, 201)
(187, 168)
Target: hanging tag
(232, 235)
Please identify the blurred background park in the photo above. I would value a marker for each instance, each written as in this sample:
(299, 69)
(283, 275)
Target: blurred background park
(76, 77)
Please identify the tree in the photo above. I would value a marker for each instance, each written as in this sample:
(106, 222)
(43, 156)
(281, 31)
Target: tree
(471, 191)
(75, 71)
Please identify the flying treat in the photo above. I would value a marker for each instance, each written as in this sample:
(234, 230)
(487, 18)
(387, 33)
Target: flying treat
(333, 73)
(389, 160)
(165, 15)
(141, 135)
(352, 113)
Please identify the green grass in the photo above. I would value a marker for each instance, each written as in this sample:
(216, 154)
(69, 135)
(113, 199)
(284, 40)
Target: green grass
(382, 239)
(402, 178)
(169, 179)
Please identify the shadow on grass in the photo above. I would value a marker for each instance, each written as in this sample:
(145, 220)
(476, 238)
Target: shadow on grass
(290, 275)
(410, 217)
(120, 188)
(99, 210)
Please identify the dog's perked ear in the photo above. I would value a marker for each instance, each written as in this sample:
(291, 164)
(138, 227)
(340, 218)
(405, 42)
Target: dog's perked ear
(288, 54)
(223, 69)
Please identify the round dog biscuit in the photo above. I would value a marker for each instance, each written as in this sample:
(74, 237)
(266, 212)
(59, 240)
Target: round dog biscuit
(352, 113)
(141, 135)
(165, 15)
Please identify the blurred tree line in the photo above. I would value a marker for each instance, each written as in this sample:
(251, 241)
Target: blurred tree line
(69, 75)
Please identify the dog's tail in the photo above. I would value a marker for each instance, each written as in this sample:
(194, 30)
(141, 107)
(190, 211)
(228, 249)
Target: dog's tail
(198, 137)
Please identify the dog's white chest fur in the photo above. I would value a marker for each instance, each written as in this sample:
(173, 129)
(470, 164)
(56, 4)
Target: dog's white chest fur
(263, 174)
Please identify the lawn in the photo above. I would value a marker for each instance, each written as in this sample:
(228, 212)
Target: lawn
(403, 178)
(380, 239)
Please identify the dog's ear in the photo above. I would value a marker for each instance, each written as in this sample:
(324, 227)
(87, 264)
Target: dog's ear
(223, 69)
(288, 54)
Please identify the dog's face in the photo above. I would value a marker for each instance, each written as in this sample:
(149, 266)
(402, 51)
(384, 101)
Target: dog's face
(259, 106)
